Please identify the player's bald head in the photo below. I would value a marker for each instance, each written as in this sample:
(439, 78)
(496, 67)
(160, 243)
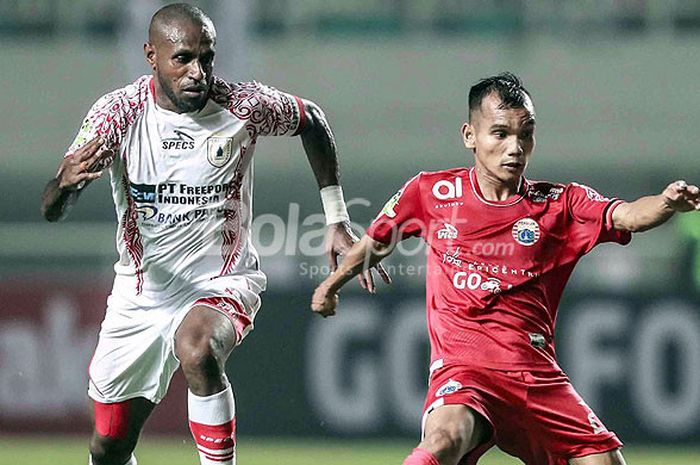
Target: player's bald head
(166, 23)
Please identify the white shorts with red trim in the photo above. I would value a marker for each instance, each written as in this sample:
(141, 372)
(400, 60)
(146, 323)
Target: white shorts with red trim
(135, 354)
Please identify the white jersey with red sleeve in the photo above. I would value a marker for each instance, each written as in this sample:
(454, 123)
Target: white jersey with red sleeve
(182, 184)
(496, 270)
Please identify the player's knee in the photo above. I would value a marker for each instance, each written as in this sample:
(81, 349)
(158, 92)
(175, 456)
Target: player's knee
(201, 355)
(110, 451)
(447, 441)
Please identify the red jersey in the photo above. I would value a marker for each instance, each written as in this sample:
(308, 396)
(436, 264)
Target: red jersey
(496, 269)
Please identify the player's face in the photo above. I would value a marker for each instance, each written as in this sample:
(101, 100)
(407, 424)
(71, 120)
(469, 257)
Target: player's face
(502, 138)
(183, 62)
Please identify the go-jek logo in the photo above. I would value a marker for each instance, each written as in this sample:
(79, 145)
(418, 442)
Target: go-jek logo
(446, 190)
(448, 388)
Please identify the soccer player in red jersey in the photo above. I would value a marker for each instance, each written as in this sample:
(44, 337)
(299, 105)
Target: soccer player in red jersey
(500, 251)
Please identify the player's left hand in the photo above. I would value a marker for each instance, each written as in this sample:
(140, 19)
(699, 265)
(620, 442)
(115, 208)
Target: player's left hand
(324, 302)
(682, 197)
(339, 239)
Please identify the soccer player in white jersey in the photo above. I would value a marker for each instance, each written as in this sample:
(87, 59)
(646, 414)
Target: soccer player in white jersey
(178, 147)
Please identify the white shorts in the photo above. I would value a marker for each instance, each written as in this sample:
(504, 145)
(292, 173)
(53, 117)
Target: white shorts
(135, 354)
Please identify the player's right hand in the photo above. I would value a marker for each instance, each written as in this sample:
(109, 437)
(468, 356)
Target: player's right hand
(323, 301)
(83, 166)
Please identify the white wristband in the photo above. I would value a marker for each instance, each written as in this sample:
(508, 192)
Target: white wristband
(334, 205)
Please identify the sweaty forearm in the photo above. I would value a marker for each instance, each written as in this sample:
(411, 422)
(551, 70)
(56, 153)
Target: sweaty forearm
(642, 214)
(55, 201)
(363, 255)
(320, 148)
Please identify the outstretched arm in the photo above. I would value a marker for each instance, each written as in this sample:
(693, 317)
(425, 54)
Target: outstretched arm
(74, 173)
(319, 145)
(651, 211)
(362, 256)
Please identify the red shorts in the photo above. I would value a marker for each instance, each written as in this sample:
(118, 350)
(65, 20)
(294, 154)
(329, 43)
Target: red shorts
(536, 416)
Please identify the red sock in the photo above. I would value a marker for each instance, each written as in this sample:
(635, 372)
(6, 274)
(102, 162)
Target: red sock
(421, 457)
(213, 426)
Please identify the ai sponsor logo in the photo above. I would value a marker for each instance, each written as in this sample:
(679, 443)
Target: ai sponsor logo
(181, 141)
(446, 190)
(526, 232)
(447, 232)
(448, 388)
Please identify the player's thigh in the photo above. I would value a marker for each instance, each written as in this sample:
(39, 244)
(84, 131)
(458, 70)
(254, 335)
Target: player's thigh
(454, 428)
(613, 457)
(117, 426)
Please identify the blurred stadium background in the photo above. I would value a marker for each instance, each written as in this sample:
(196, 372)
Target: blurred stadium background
(615, 85)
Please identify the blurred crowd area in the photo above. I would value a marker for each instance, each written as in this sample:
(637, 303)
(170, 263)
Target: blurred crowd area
(299, 17)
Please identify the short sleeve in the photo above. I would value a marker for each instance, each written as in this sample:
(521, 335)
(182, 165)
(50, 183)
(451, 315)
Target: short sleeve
(401, 217)
(93, 125)
(268, 111)
(111, 115)
(590, 218)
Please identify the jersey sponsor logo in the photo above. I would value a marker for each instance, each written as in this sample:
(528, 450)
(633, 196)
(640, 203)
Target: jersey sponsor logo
(448, 388)
(181, 141)
(474, 281)
(526, 232)
(146, 212)
(492, 285)
(446, 190)
(143, 193)
(447, 232)
(219, 150)
(591, 193)
(540, 195)
(452, 259)
(389, 207)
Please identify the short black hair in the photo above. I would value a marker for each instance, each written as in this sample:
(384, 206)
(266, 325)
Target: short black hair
(174, 12)
(507, 86)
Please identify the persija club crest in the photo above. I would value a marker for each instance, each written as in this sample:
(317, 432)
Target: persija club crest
(526, 232)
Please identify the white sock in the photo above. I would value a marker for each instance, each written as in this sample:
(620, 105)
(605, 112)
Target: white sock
(213, 425)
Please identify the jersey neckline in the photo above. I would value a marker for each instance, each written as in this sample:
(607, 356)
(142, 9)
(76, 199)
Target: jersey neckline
(512, 200)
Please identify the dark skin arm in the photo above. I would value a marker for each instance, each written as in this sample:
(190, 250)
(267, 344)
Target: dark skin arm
(321, 151)
(74, 171)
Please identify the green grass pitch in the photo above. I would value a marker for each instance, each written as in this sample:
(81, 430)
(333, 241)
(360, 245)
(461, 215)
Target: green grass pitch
(20, 450)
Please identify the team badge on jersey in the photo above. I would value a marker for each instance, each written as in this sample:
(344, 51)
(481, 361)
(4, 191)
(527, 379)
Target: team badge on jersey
(448, 388)
(526, 232)
(219, 150)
